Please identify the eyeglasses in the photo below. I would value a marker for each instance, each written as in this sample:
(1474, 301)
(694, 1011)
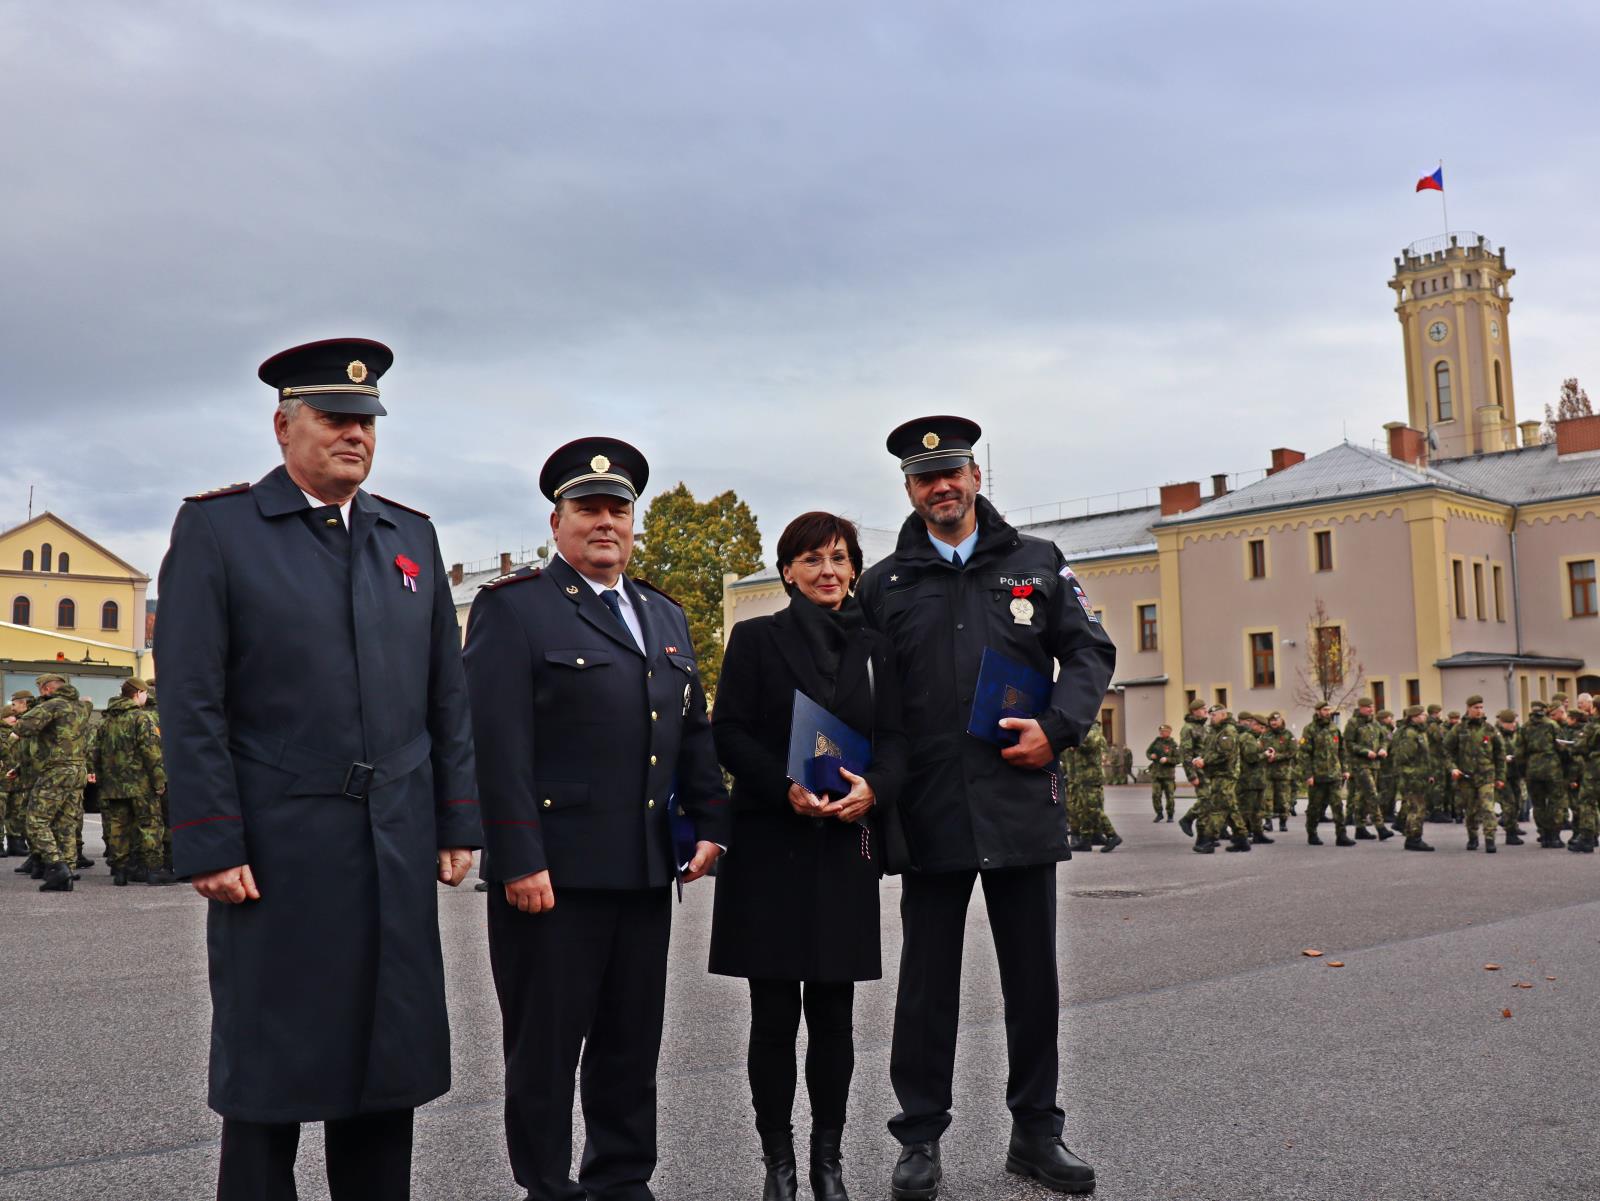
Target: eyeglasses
(838, 561)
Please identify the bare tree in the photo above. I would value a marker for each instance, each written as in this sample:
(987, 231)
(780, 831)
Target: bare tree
(1331, 672)
(1573, 402)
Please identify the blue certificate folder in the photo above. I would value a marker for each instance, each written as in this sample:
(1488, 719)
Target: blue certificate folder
(819, 745)
(1005, 689)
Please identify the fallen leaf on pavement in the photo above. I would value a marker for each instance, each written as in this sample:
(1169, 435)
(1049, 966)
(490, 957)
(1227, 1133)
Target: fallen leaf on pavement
(1549, 977)
(1521, 984)
(1491, 967)
(1335, 963)
(1505, 1013)
(1311, 953)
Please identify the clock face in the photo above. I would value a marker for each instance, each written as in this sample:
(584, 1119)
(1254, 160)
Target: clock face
(1494, 330)
(1438, 331)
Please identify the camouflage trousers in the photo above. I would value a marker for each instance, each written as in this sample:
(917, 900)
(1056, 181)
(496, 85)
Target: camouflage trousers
(1549, 799)
(1389, 796)
(1414, 808)
(1163, 790)
(1279, 797)
(1253, 809)
(1088, 811)
(1478, 801)
(55, 815)
(1361, 805)
(1322, 796)
(134, 830)
(14, 813)
(1222, 809)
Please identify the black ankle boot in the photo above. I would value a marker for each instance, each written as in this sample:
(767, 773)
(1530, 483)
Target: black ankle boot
(777, 1152)
(827, 1168)
(917, 1173)
(24, 867)
(57, 878)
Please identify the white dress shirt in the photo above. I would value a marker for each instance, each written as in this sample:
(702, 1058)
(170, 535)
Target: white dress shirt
(630, 615)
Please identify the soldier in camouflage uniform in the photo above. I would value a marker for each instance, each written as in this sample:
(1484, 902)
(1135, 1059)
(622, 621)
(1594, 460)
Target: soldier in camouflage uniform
(1163, 756)
(1279, 744)
(1218, 762)
(1478, 766)
(1189, 739)
(13, 800)
(1460, 797)
(57, 723)
(1585, 765)
(1388, 780)
(1540, 755)
(25, 759)
(1438, 792)
(1412, 758)
(129, 769)
(1253, 776)
(1087, 792)
(1511, 801)
(1363, 752)
(1322, 768)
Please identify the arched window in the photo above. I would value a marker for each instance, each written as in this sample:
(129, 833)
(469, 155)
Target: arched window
(66, 615)
(44, 557)
(108, 615)
(1441, 391)
(21, 611)
(27, 560)
(1499, 399)
(61, 562)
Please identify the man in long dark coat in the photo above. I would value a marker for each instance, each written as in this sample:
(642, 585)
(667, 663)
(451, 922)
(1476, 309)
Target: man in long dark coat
(319, 758)
(960, 582)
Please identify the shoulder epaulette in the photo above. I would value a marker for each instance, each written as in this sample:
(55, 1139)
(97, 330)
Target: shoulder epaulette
(230, 490)
(516, 577)
(647, 584)
(396, 504)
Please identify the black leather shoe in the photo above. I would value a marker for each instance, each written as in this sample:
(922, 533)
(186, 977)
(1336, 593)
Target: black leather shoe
(1048, 1161)
(481, 886)
(778, 1154)
(1113, 841)
(57, 878)
(1344, 840)
(917, 1174)
(1416, 844)
(827, 1168)
(1186, 824)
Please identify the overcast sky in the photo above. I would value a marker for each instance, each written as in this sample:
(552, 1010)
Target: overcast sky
(1139, 242)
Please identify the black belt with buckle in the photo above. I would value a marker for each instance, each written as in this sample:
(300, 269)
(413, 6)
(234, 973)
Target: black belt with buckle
(358, 781)
(319, 774)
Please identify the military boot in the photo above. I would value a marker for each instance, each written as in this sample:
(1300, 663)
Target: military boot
(119, 876)
(1344, 840)
(1364, 834)
(1513, 839)
(827, 1167)
(1204, 846)
(1586, 844)
(57, 878)
(1416, 844)
(1186, 824)
(1312, 839)
(36, 872)
(1158, 817)
(1260, 838)
(1283, 825)
(1488, 846)
(1384, 833)
(1238, 843)
(1113, 841)
(1080, 845)
(84, 861)
(25, 867)
(160, 875)
(1472, 842)
(137, 873)
(777, 1152)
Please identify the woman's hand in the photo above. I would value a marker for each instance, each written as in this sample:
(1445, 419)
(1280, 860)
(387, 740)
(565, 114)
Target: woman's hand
(857, 801)
(804, 802)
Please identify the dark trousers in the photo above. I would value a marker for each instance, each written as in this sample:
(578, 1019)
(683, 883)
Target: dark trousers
(775, 1008)
(1022, 918)
(368, 1157)
(585, 981)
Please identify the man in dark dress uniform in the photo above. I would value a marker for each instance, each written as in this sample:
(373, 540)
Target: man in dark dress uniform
(588, 717)
(961, 580)
(319, 773)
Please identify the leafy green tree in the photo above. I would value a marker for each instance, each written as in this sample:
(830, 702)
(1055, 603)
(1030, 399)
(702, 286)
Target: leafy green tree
(685, 547)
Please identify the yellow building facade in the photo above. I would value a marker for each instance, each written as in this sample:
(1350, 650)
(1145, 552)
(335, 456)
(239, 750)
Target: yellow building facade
(71, 606)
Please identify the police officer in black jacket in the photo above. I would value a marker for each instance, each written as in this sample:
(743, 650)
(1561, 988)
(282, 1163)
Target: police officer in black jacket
(588, 714)
(961, 580)
(319, 764)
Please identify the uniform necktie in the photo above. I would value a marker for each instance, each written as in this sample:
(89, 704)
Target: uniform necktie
(614, 602)
(955, 559)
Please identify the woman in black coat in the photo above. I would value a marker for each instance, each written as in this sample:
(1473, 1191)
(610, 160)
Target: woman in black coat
(797, 896)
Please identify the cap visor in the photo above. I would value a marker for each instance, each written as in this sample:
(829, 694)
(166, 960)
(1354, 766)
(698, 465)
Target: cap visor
(599, 488)
(930, 466)
(353, 404)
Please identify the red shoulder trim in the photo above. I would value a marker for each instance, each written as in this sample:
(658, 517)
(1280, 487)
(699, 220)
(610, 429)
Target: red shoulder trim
(656, 590)
(398, 505)
(230, 490)
(516, 577)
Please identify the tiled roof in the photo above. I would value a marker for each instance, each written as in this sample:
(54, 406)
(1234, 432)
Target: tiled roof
(1124, 532)
(1525, 476)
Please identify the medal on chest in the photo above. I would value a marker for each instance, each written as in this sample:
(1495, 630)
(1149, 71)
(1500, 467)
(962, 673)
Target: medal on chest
(1021, 606)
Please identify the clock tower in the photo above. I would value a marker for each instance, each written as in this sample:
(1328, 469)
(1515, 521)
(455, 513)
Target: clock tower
(1453, 304)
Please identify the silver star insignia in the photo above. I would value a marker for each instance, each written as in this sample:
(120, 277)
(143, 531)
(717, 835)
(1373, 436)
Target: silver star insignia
(894, 579)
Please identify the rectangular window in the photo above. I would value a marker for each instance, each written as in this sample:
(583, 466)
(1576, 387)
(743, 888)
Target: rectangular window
(1108, 724)
(1258, 558)
(1458, 579)
(1380, 697)
(1330, 656)
(1188, 696)
(1263, 662)
(1413, 692)
(1581, 583)
(1477, 591)
(1222, 696)
(1564, 684)
(1500, 595)
(1324, 541)
(1147, 627)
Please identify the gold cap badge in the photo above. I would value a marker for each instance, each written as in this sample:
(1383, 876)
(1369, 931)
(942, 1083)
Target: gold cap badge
(599, 463)
(931, 441)
(357, 371)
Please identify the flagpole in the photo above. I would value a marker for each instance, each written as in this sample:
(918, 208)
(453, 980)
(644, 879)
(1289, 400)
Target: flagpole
(1445, 204)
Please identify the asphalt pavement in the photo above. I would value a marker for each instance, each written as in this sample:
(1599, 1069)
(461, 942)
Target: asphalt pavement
(1204, 1056)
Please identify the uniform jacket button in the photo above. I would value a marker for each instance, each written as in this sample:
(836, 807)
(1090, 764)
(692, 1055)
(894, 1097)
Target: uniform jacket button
(652, 715)
(650, 804)
(652, 760)
(579, 662)
(547, 802)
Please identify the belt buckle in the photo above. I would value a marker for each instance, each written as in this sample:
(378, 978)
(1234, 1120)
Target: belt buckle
(357, 781)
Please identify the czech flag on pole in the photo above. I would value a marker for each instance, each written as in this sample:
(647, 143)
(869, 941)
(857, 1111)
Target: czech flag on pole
(1432, 183)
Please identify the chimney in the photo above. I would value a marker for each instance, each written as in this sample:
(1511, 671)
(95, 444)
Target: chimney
(1219, 486)
(1530, 432)
(1577, 435)
(1406, 444)
(456, 573)
(505, 562)
(1179, 498)
(1284, 458)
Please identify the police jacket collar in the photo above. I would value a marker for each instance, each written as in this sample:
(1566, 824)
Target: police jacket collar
(994, 534)
(276, 494)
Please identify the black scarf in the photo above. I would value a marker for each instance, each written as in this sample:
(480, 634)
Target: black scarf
(827, 633)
